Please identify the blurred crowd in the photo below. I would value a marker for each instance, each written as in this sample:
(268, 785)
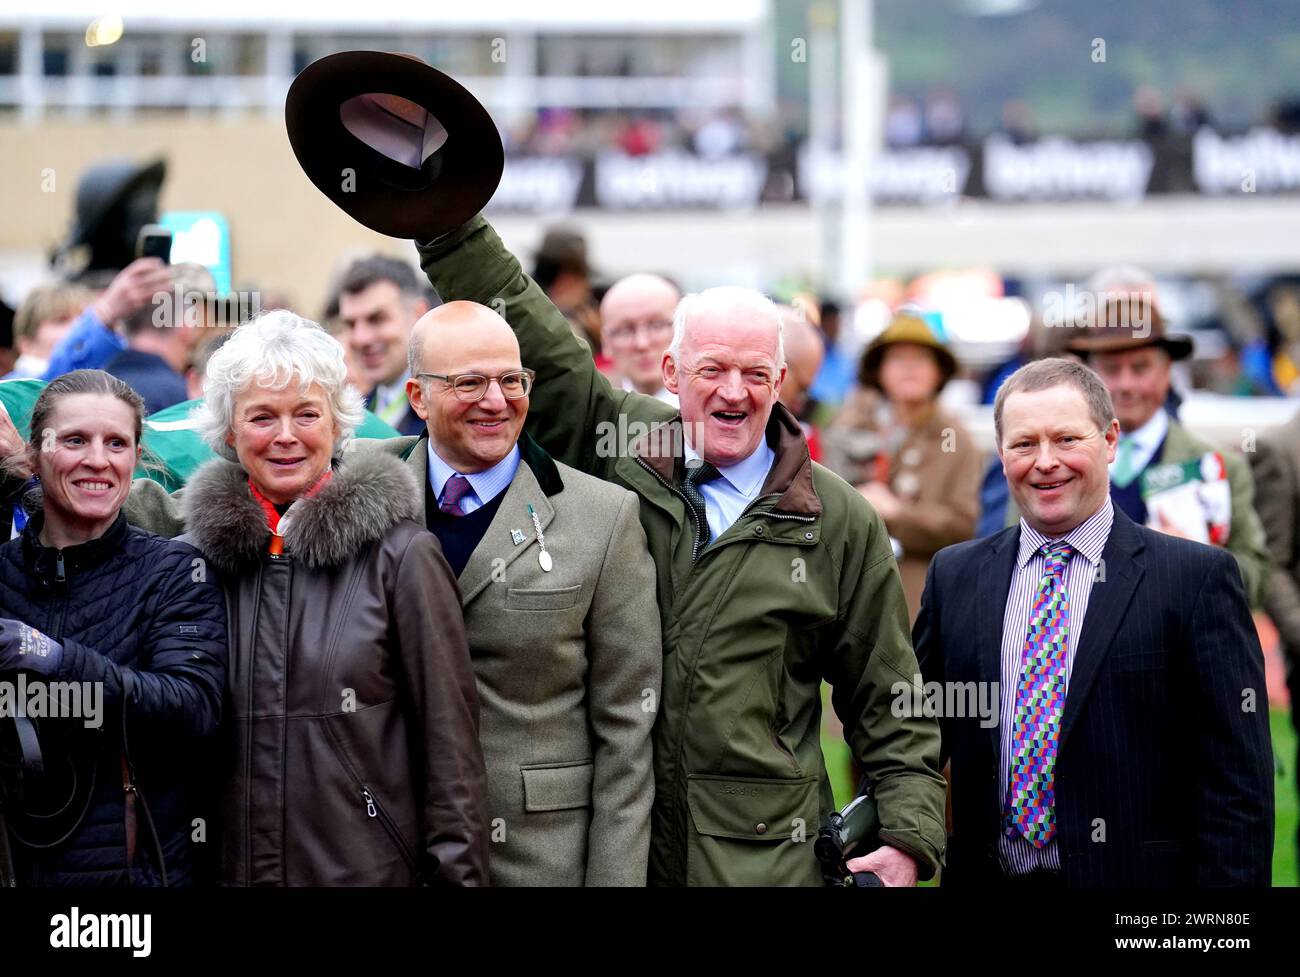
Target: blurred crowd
(935, 118)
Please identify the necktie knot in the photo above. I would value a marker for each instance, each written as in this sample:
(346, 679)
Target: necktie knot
(701, 473)
(1056, 555)
(457, 488)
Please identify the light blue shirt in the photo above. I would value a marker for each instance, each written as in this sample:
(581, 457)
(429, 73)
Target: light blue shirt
(1146, 440)
(486, 485)
(727, 497)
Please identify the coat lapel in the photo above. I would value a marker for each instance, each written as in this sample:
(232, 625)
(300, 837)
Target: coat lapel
(1178, 444)
(1107, 604)
(497, 542)
(990, 604)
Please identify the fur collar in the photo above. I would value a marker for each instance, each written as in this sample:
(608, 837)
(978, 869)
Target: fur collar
(367, 496)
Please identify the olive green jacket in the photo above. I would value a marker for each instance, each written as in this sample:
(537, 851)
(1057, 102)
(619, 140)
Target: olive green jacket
(1276, 465)
(1246, 539)
(802, 587)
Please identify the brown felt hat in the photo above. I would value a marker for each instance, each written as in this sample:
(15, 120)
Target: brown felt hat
(1124, 323)
(398, 145)
(905, 328)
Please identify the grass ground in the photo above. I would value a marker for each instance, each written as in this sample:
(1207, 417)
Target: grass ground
(1285, 870)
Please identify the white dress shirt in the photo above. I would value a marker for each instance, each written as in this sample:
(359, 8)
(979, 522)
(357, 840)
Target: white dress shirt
(486, 485)
(727, 497)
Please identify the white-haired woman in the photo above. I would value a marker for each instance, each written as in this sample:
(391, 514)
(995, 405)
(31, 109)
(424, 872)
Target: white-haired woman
(352, 710)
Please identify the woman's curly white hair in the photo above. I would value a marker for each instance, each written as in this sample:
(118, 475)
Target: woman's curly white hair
(272, 351)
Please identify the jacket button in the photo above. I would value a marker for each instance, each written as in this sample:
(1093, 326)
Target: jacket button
(760, 828)
(758, 530)
(807, 535)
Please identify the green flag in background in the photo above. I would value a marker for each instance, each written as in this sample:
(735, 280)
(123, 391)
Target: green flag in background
(172, 446)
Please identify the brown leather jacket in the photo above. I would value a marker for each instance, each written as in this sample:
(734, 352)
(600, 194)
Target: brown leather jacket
(352, 712)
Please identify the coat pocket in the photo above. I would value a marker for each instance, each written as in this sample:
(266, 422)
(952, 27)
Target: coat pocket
(557, 786)
(558, 599)
(751, 831)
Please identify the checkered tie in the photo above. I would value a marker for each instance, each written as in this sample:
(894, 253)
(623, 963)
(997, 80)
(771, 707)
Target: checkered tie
(1040, 697)
(457, 488)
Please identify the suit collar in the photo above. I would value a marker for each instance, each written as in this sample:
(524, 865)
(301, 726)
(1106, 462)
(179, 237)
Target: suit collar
(1118, 577)
(486, 485)
(531, 454)
(535, 482)
(1180, 444)
(992, 586)
(1088, 538)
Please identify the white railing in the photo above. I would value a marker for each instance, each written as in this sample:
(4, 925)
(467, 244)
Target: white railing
(266, 93)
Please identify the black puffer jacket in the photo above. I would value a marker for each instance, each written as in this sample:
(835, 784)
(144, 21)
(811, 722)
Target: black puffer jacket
(146, 617)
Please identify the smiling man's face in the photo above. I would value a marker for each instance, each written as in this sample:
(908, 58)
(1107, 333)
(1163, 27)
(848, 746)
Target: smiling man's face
(727, 382)
(1055, 458)
(458, 338)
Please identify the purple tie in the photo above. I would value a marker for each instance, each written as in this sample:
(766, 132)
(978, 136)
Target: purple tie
(457, 488)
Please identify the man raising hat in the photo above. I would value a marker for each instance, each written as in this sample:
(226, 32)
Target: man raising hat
(771, 573)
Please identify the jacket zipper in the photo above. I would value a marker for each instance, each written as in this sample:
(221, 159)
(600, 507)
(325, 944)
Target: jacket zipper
(373, 810)
(690, 507)
(61, 580)
(695, 549)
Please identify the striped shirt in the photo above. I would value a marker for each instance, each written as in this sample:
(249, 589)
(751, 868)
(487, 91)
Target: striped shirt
(1018, 856)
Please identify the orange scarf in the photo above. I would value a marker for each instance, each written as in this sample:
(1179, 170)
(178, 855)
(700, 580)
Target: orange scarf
(276, 546)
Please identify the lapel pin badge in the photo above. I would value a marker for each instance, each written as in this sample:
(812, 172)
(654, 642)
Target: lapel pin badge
(516, 536)
(543, 557)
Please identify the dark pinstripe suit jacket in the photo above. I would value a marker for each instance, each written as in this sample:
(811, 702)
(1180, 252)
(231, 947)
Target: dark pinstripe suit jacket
(1164, 774)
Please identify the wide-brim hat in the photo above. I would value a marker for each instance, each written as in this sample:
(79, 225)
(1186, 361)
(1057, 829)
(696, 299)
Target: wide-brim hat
(905, 327)
(398, 145)
(1119, 324)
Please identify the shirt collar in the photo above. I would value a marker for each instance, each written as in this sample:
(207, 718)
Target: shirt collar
(487, 485)
(747, 475)
(1148, 437)
(1088, 538)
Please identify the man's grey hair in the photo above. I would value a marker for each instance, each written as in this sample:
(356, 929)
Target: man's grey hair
(271, 352)
(1055, 372)
(725, 298)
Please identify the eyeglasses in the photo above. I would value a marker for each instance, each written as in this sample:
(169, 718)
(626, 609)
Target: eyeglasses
(472, 387)
(627, 331)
